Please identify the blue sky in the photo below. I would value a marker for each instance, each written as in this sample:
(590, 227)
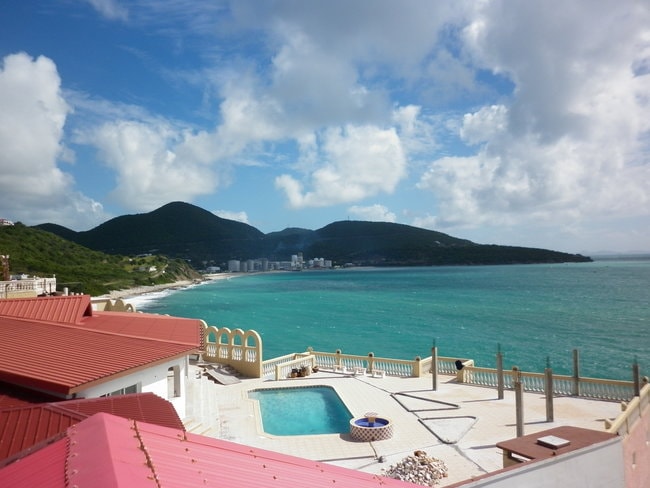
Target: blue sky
(517, 123)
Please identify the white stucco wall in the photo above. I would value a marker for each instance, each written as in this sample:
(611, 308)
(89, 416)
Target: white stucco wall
(597, 466)
(153, 379)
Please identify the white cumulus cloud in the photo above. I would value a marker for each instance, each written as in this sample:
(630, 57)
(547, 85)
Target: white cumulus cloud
(34, 188)
(111, 9)
(148, 171)
(232, 215)
(374, 213)
(571, 143)
(357, 162)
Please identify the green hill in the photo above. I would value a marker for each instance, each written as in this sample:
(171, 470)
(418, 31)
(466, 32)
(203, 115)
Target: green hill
(177, 230)
(181, 230)
(37, 252)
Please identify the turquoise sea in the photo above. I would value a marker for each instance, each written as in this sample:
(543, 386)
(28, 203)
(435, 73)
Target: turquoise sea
(534, 313)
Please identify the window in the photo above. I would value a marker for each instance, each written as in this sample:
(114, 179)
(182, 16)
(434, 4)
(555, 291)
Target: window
(173, 382)
(122, 391)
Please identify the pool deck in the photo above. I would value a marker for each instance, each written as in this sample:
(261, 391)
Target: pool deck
(459, 424)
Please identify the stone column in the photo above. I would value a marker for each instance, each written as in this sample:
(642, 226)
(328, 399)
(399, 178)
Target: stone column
(519, 400)
(434, 366)
(636, 377)
(548, 389)
(499, 373)
(576, 373)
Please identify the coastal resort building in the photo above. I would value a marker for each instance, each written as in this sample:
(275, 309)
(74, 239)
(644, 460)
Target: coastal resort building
(93, 394)
(62, 348)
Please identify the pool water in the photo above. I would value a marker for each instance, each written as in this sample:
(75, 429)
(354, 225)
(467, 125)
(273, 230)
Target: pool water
(307, 410)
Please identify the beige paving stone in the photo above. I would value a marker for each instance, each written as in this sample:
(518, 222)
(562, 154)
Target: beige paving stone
(467, 445)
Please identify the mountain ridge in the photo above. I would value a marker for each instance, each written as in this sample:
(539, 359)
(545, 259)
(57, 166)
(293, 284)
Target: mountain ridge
(183, 230)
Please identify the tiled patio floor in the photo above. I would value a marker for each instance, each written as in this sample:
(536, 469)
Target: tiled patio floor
(458, 424)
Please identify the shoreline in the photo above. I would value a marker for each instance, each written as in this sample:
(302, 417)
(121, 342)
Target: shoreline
(176, 285)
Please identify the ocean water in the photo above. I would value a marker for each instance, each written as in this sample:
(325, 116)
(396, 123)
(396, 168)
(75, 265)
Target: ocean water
(533, 313)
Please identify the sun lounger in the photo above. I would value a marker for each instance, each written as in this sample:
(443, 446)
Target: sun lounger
(224, 379)
(221, 374)
(378, 373)
(359, 371)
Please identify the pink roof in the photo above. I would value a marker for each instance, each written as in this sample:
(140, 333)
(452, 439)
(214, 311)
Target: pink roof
(145, 407)
(59, 345)
(112, 451)
(23, 428)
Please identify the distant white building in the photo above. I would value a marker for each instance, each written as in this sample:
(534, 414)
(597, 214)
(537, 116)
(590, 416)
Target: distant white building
(23, 286)
(234, 266)
(149, 269)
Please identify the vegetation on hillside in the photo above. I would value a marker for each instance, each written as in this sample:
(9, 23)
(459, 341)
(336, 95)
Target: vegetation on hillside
(182, 230)
(177, 229)
(36, 252)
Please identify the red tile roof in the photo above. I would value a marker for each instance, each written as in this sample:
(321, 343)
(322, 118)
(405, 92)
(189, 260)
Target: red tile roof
(65, 359)
(111, 451)
(63, 309)
(158, 327)
(12, 396)
(145, 407)
(23, 428)
(77, 310)
(45, 468)
(58, 345)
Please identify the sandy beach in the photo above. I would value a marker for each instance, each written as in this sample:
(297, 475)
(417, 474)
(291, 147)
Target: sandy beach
(143, 290)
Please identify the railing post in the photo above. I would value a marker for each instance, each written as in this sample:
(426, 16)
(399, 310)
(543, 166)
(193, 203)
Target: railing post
(548, 389)
(338, 359)
(499, 372)
(434, 366)
(278, 372)
(371, 362)
(576, 373)
(519, 400)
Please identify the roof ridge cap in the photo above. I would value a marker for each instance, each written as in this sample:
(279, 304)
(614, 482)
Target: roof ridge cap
(79, 326)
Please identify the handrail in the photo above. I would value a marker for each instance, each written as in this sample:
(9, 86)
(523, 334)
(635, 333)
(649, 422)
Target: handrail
(269, 366)
(465, 371)
(631, 411)
(393, 367)
(36, 285)
(596, 388)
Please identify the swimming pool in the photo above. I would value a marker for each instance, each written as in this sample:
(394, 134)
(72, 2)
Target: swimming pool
(304, 410)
